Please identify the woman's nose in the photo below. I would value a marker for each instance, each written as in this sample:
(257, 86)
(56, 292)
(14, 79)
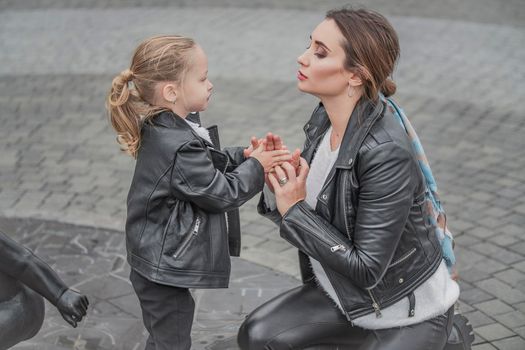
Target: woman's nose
(302, 59)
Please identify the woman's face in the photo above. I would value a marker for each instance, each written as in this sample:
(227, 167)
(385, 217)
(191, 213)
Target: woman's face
(321, 72)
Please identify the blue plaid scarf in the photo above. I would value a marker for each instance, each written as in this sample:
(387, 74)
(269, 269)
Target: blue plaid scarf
(438, 218)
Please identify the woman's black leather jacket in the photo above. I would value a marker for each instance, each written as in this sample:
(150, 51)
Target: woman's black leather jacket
(369, 228)
(176, 230)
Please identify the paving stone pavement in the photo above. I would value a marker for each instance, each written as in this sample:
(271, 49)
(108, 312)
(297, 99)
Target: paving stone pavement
(460, 80)
(94, 261)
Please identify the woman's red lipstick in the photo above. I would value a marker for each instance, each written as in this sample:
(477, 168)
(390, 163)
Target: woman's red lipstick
(301, 76)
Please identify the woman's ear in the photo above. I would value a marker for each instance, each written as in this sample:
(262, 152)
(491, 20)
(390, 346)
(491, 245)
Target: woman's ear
(169, 92)
(354, 79)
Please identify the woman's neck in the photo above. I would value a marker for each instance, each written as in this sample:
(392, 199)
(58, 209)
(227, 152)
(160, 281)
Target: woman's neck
(339, 110)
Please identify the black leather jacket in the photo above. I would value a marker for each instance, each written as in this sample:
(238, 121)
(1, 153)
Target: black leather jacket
(368, 229)
(176, 230)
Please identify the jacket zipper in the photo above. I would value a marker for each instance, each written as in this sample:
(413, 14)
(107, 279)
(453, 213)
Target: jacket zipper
(403, 258)
(186, 243)
(375, 304)
(344, 208)
(333, 248)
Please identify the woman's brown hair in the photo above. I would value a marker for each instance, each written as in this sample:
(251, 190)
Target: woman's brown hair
(371, 47)
(131, 99)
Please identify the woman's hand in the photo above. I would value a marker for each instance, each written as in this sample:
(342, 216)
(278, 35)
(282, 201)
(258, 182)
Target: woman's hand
(270, 159)
(289, 184)
(273, 142)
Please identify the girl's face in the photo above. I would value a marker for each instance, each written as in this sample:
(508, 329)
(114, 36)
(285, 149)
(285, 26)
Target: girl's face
(321, 72)
(195, 90)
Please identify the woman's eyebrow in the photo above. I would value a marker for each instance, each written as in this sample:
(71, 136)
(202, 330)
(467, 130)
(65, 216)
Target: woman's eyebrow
(320, 43)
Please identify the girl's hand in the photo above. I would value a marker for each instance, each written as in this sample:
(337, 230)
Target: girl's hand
(273, 143)
(254, 143)
(289, 185)
(270, 159)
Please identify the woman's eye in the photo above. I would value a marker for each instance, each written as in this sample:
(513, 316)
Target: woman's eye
(320, 54)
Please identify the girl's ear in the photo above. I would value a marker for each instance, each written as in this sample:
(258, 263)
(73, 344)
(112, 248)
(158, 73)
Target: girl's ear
(170, 92)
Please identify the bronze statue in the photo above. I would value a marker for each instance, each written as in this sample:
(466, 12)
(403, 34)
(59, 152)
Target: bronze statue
(24, 280)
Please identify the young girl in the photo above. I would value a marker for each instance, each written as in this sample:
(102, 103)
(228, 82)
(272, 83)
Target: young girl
(176, 230)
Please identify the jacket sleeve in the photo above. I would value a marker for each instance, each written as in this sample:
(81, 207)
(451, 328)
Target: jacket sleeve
(267, 208)
(195, 178)
(24, 266)
(235, 154)
(386, 176)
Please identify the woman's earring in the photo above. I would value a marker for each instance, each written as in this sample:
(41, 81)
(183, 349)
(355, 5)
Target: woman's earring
(174, 99)
(351, 91)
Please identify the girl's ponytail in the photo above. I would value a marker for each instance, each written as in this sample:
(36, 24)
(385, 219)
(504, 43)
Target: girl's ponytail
(130, 101)
(123, 112)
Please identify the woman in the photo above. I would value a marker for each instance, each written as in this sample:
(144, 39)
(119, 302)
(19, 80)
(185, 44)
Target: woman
(372, 267)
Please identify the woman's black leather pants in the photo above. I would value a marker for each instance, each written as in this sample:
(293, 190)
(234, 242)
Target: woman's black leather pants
(306, 318)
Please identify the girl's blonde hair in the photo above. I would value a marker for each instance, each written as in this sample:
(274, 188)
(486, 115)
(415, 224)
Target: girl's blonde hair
(130, 102)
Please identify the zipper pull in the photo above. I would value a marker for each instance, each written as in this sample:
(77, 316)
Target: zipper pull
(377, 310)
(197, 224)
(338, 247)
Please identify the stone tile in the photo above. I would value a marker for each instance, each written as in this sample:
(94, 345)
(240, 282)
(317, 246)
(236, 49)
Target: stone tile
(501, 290)
(512, 319)
(494, 307)
(505, 240)
(494, 331)
(475, 295)
(520, 331)
(511, 276)
(497, 253)
(478, 319)
(484, 346)
(520, 266)
(514, 343)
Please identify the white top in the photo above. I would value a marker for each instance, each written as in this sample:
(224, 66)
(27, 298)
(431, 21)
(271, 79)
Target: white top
(434, 297)
(201, 131)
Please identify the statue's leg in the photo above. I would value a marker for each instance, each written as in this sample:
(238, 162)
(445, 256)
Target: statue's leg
(21, 312)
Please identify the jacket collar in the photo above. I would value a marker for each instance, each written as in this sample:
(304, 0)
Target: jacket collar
(169, 119)
(363, 117)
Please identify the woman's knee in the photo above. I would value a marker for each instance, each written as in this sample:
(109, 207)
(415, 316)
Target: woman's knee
(252, 334)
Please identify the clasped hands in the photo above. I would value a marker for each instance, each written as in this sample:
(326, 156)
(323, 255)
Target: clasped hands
(285, 172)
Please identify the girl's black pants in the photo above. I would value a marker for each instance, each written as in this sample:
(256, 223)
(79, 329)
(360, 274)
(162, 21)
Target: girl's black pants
(167, 313)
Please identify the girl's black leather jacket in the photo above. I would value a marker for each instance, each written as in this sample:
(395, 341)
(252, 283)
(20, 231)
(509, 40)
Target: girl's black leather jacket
(369, 229)
(176, 230)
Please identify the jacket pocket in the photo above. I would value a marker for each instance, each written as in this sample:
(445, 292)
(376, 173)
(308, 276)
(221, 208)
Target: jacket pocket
(179, 252)
(397, 272)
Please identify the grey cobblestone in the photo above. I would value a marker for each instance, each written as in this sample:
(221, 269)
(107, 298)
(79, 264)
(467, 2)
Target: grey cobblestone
(494, 331)
(494, 307)
(501, 290)
(514, 343)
